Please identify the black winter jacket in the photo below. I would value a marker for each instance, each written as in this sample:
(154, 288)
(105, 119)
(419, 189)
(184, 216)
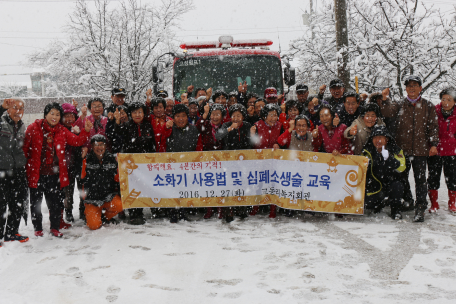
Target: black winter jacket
(237, 139)
(99, 181)
(137, 138)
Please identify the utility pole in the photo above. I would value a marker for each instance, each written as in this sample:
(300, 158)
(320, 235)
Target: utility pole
(311, 15)
(340, 13)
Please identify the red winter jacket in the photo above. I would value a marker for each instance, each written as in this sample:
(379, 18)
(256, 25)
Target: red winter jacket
(33, 143)
(160, 132)
(208, 139)
(447, 133)
(336, 142)
(268, 135)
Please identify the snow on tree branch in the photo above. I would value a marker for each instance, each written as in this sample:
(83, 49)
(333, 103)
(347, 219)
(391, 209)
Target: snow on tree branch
(111, 44)
(388, 40)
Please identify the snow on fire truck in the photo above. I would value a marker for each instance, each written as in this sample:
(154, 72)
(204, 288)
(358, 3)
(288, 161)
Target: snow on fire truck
(223, 64)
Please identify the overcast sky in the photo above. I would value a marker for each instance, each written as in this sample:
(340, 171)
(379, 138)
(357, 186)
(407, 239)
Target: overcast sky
(27, 25)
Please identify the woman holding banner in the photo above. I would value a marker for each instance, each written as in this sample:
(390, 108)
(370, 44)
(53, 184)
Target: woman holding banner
(235, 135)
(181, 137)
(208, 126)
(329, 136)
(138, 137)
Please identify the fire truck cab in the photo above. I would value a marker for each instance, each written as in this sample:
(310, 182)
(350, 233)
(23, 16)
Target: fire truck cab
(223, 64)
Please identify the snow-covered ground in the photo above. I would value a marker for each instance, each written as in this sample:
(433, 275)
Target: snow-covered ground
(362, 259)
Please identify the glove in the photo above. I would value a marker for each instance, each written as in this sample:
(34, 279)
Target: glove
(385, 153)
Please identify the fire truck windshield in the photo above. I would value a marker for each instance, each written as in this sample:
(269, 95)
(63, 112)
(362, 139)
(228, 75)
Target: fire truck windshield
(226, 72)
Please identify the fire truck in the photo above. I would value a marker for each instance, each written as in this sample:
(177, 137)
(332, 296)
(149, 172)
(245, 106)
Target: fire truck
(223, 64)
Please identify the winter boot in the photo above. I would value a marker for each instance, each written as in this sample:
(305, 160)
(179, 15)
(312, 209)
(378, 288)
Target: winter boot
(56, 233)
(173, 216)
(433, 196)
(395, 212)
(208, 214)
(289, 213)
(39, 233)
(229, 215)
(16, 237)
(63, 225)
(419, 215)
(452, 201)
(255, 210)
(69, 215)
(121, 215)
(272, 211)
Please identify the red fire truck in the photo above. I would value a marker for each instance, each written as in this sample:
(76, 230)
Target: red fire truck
(223, 64)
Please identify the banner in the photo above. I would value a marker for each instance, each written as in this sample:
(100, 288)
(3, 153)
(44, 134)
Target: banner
(289, 179)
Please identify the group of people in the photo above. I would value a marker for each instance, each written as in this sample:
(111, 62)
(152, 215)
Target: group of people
(68, 147)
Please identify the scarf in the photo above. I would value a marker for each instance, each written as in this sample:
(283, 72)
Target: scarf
(413, 101)
(447, 114)
(48, 142)
(97, 125)
(214, 130)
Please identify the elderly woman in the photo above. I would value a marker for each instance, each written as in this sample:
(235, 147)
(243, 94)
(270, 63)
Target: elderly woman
(47, 172)
(361, 128)
(13, 181)
(446, 147)
(96, 107)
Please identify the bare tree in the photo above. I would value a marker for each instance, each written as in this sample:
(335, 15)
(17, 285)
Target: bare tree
(113, 44)
(388, 40)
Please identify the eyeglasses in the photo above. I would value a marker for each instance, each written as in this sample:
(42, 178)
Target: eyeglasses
(97, 107)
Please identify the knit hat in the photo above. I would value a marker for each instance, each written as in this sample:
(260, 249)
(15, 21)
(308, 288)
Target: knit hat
(69, 108)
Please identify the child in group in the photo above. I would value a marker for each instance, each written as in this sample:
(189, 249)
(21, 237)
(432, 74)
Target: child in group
(100, 165)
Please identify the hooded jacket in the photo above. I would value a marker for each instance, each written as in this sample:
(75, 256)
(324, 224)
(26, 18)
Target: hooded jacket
(381, 172)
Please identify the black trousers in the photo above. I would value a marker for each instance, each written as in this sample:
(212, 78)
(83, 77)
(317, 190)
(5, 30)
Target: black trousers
(69, 194)
(393, 192)
(49, 185)
(418, 163)
(13, 197)
(435, 164)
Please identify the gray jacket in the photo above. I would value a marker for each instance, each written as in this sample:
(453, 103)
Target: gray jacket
(11, 142)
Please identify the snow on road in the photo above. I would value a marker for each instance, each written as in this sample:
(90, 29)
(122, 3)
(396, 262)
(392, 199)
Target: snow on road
(363, 259)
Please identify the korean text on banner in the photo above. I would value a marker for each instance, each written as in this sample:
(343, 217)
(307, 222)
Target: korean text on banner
(289, 179)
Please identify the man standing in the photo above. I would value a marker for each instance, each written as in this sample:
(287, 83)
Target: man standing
(337, 89)
(13, 181)
(302, 93)
(118, 99)
(417, 134)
